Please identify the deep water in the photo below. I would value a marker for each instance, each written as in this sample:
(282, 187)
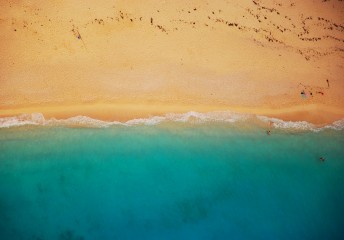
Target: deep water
(176, 181)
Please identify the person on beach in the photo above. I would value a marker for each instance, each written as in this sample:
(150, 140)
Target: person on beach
(303, 94)
(328, 83)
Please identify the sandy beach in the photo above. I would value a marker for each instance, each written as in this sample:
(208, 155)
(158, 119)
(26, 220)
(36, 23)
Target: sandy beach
(125, 59)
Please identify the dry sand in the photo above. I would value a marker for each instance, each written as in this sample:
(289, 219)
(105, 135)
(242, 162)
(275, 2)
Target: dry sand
(118, 60)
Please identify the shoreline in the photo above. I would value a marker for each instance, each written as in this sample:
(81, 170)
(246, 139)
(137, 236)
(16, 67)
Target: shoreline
(319, 115)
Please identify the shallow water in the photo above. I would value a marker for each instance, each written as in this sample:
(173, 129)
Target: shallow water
(170, 181)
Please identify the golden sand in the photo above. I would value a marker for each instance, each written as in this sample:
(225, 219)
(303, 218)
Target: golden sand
(118, 60)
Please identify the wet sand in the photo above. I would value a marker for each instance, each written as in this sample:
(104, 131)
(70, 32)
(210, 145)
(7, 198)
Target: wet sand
(317, 114)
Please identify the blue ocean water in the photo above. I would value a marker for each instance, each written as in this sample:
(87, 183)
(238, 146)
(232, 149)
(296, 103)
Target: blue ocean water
(170, 181)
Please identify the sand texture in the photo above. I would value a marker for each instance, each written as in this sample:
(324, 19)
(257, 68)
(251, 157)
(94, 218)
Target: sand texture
(122, 59)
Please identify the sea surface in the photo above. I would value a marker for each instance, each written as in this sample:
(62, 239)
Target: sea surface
(179, 180)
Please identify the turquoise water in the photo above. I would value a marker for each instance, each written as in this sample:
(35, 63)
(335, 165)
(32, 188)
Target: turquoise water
(177, 181)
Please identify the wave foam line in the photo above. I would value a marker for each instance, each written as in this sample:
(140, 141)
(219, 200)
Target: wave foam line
(301, 125)
(192, 117)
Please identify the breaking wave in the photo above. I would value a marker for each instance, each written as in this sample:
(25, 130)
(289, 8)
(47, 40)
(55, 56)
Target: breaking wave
(191, 117)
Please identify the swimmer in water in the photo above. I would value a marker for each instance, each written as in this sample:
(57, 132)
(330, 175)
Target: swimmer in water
(268, 132)
(322, 159)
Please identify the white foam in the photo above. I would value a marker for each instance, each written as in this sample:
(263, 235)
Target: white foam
(21, 120)
(301, 125)
(278, 123)
(79, 121)
(145, 121)
(337, 125)
(206, 117)
(190, 117)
